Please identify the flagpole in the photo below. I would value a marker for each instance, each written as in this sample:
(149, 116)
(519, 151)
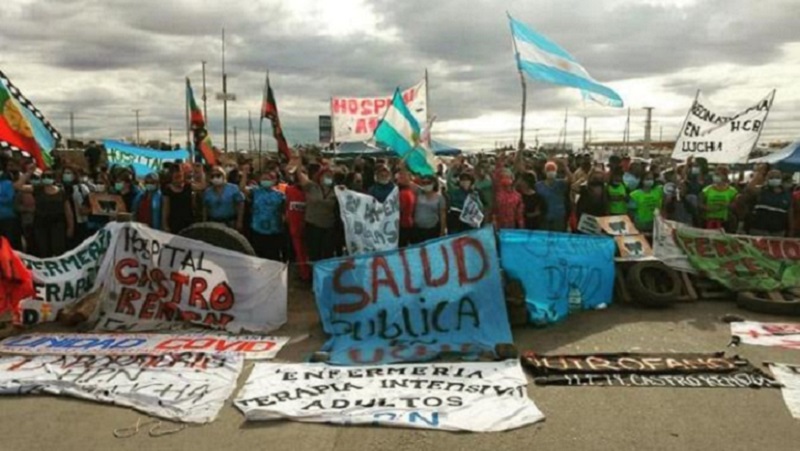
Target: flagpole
(427, 105)
(521, 145)
(332, 142)
(188, 125)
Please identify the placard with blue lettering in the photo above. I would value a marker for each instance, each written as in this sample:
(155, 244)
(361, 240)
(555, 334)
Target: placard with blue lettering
(559, 272)
(413, 304)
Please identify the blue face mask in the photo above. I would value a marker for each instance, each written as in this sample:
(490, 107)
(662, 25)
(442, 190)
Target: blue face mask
(267, 183)
(151, 187)
(68, 178)
(119, 186)
(647, 184)
(47, 181)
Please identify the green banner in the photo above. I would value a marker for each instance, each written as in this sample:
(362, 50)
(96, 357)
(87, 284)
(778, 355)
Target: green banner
(735, 263)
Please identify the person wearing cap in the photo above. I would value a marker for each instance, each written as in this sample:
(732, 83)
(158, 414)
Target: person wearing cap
(554, 192)
(53, 222)
(223, 202)
(383, 186)
(717, 199)
(772, 212)
(147, 205)
(322, 212)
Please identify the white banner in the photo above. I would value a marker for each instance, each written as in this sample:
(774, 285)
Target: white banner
(369, 226)
(476, 397)
(666, 249)
(472, 214)
(721, 139)
(788, 375)
(152, 280)
(250, 346)
(783, 335)
(185, 387)
(355, 118)
(63, 281)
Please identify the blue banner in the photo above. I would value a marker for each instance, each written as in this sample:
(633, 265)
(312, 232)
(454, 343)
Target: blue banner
(554, 267)
(144, 161)
(413, 304)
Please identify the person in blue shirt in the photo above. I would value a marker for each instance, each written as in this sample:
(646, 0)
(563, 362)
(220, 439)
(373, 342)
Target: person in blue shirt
(554, 192)
(224, 202)
(147, 203)
(266, 225)
(10, 226)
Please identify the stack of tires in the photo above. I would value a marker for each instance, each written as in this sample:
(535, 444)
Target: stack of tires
(786, 302)
(653, 284)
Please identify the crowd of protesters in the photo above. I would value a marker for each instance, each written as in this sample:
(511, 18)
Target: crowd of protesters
(289, 210)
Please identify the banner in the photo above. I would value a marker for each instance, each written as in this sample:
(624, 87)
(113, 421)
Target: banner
(187, 387)
(721, 139)
(355, 118)
(554, 267)
(153, 280)
(713, 370)
(63, 281)
(252, 347)
(472, 214)
(441, 297)
(325, 129)
(789, 376)
(783, 335)
(369, 225)
(144, 161)
(735, 263)
(475, 397)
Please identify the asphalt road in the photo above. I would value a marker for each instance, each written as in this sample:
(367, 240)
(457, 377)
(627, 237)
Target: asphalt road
(578, 418)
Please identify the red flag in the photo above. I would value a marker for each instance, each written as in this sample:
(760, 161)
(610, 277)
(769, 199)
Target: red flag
(269, 110)
(202, 141)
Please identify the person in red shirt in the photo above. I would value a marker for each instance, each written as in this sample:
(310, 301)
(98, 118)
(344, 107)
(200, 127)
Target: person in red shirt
(508, 210)
(408, 203)
(296, 220)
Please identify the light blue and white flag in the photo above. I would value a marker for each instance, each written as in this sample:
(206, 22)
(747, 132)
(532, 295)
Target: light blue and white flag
(542, 59)
(144, 161)
(400, 131)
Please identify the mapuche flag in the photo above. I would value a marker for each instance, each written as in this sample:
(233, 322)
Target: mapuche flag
(23, 128)
(202, 140)
(269, 110)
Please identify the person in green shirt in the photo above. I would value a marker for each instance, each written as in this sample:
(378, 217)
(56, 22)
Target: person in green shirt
(717, 200)
(617, 194)
(644, 202)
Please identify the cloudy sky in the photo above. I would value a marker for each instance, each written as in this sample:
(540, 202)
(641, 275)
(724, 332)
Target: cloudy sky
(103, 59)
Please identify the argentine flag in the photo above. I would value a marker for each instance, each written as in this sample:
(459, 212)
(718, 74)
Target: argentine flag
(399, 131)
(542, 59)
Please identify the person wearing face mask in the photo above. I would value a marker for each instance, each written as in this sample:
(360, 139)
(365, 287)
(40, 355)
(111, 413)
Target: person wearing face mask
(633, 177)
(147, 205)
(532, 202)
(268, 217)
(125, 187)
(296, 221)
(695, 172)
(383, 184)
(457, 197)
(321, 215)
(407, 197)
(644, 202)
(53, 222)
(77, 191)
(10, 226)
(617, 194)
(223, 202)
(772, 212)
(717, 199)
(430, 211)
(508, 211)
(177, 206)
(554, 192)
(592, 196)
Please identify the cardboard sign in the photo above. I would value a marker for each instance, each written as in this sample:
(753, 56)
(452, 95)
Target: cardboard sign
(472, 214)
(555, 268)
(633, 247)
(152, 280)
(782, 335)
(475, 397)
(369, 225)
(607, 225)
(355, 118)
(63, 281)
(252, 347)
(185, 387)
(413, 304)
(106, 204)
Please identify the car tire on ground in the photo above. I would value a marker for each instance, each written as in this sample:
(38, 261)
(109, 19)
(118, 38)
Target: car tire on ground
(218, 235)
(761, 303)
(653, 284)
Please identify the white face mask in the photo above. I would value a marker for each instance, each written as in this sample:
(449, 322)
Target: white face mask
(426, 188)
(217, 181)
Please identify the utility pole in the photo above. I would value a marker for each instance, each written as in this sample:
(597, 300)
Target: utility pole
(584, 132)
(224, 95)
(169, 141)
(566, 117)
(137, 126)
(72, 125)
(205, 106)
(660, 132)
(235, 145)
(647, 129)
